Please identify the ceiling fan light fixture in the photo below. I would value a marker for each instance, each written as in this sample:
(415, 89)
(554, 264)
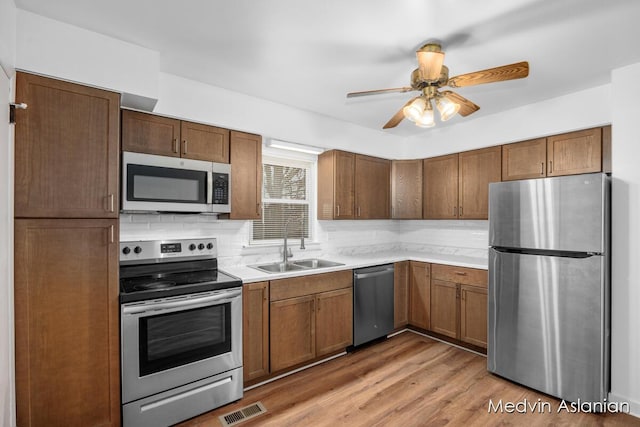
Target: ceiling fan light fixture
(414, 110)
(426, 119)
(430, 61)
(446, 107)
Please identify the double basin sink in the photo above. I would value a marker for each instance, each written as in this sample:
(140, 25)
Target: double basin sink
(303, 264)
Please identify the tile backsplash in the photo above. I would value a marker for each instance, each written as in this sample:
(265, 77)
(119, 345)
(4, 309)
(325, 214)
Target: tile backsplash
(467, 238)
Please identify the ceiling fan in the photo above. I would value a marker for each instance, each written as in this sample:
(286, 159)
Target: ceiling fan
(432, 75)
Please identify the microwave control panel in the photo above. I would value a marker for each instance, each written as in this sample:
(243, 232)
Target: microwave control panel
(220, 189)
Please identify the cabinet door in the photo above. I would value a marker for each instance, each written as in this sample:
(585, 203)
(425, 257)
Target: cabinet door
(66, 150)
(401, 294)
(66, 320)
(292, 332)
(473, 315)
(334, 321)
(406, 189)
(440, 195)
(344, 185)
(255, 330)
(246, 175)
(202, 142)
(476, 170)
(444, 308)
(147, 133)
(575, 152)
(419, 295)
(523, 160)
(372, 180)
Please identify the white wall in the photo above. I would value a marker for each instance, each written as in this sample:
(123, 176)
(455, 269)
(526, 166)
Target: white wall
(197, 101)
(625, 315)
(61, 50)
(579, 110)
(7, 62)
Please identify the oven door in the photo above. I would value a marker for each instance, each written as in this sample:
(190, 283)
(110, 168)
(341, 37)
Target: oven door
(159, 183)
(174, 341)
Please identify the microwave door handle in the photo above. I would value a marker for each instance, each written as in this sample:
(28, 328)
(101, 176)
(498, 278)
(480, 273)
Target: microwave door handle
(209, 187)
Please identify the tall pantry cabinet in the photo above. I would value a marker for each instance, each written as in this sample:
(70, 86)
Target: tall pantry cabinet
(66, 254)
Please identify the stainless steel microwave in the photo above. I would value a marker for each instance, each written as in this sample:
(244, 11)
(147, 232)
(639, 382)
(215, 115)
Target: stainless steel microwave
(174, 184)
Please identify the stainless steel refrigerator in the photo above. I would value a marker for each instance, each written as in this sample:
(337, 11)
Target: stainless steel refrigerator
(549, 284)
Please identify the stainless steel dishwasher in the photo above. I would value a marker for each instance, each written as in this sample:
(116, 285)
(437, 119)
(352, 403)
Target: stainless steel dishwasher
(372, 303)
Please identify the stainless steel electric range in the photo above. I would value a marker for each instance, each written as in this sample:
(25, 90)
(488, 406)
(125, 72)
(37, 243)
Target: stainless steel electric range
(181, 331)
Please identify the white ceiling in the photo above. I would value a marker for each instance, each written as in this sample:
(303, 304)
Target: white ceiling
(310, 54)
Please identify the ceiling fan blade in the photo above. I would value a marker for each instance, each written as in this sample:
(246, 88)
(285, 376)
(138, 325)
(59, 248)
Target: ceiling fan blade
(379, 91)
(466, 107)
(518, 70)
(397, 118)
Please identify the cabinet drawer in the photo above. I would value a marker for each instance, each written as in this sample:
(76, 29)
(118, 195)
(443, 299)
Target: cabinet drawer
(308, 285)
(463, 275)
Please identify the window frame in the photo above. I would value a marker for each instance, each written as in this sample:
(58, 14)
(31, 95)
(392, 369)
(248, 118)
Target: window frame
(276, 156)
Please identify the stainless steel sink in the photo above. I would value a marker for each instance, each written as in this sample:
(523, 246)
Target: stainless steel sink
(278, 267)
(303, 264)
(316, 263)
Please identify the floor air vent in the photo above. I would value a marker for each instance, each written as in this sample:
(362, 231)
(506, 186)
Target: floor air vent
(242, 414)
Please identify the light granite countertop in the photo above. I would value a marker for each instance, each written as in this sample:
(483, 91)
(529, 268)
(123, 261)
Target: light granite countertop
(251, 275)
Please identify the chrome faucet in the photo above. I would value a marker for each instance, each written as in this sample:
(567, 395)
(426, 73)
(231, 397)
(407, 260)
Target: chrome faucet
(286, 251)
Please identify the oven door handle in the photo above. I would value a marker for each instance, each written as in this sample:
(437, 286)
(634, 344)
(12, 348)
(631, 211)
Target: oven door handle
(221, 298)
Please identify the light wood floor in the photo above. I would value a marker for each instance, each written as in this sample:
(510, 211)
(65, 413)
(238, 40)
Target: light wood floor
(408, 380)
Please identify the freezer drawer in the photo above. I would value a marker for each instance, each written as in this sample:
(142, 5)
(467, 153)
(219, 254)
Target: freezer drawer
(566, 213)
(548, 323)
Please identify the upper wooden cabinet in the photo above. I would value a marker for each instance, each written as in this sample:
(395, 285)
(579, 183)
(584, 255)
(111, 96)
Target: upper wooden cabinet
(66, 150)
(246, 175)
(148, 133)
(406, 189)
(336, 185)
(255, 330)
(575, 152)
(571, 153)
(523, 160)
(457, 185)
(372, 184)
(440, 191)
(352, 186)
(66, 322)
(476, 169)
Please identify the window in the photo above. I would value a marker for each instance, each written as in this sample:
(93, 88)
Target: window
(287, 196)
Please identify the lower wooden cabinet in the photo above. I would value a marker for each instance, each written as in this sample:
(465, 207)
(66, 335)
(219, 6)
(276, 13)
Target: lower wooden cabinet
(419, 294)
(255, 327)
(459, 303)
(310, 316)
(66, 320)
(400, 294)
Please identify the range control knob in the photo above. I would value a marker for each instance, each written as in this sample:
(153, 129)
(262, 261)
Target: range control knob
(126, 250)
(137, 249)
(192, 247)
(201, 246)
(209, 246)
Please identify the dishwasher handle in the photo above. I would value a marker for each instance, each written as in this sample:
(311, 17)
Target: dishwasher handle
(374, 273)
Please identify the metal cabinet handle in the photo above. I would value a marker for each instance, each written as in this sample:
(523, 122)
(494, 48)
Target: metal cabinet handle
(461, 273)
(175, 145)
(338, 208)
(460, 210)
(318, 306)
(455, 209)
(541, 168)
(112, 233)
(264, 294)
(111, 198)
(184, 146)
(550, 166)
(358, 210)
(313, 305)
(258, 209)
